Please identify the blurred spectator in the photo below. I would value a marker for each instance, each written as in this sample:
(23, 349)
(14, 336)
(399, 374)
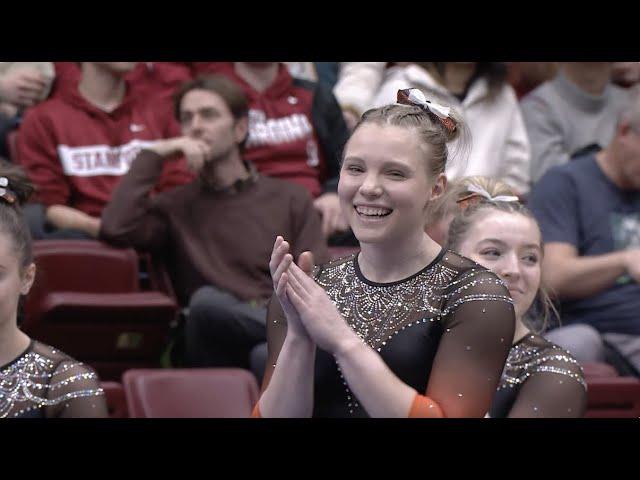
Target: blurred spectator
(76, 147)
(151, 80)
(22, 85)
(328, 73)
(500, 147)
(296, 132)
(526, 76)
(216, 233)
(321, 72)
(303, 70)
(207, 68)
(588, 210)
(578, 108)
(357, 84)
(625, 74)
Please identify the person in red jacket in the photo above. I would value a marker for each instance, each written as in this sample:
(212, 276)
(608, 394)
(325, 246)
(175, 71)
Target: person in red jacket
(77, 146)
(148, 79)
(296, 132)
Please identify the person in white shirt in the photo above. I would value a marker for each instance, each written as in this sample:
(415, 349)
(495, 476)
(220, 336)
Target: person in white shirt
(500, 146)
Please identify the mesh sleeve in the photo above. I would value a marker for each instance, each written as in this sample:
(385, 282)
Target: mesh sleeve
(75, 392)
(478, 328)
(554, 390)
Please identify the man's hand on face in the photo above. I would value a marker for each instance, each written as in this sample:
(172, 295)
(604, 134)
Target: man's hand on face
(22, 87)
(194, 150)
(333, 220)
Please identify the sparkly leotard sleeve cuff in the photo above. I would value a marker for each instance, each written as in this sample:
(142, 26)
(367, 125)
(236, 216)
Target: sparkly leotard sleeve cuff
(424, 407)
(256, 411)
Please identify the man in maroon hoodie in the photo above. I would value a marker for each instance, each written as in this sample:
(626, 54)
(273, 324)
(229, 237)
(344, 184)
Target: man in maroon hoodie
(296, 132)
(77, 146)
(149, 79)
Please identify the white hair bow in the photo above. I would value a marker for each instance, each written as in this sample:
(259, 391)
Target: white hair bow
(499, 198)
(4, 182)
(5, 191)
(413, 96)
(416, 96)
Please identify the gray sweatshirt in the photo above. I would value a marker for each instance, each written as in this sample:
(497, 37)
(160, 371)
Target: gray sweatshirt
(561, 118)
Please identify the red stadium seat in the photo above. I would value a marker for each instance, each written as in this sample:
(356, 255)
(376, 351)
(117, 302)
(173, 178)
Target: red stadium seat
(158, 276)
(95, 267)
(613, 397)
(87, 302)
(116, 399)
(598, 370)
(190, 393)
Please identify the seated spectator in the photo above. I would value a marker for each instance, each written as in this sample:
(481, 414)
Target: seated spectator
(22, 85)
(500, 146)
(76, 148)
(148, 79)
(321, 72)
(526, 76)
(36, 380)
(590, 222)
(493, 228)
(328, 73)
(579, 107)
(302, 70)
(296, 133)
(216, 233)
(625, 74)
(357, 84)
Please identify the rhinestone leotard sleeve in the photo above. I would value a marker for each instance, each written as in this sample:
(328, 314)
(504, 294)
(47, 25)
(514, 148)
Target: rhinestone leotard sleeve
(478, 321)
(540, 380)
(46, 382)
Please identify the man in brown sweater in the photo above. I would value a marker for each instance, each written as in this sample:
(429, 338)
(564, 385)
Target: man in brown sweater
(216, 233)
